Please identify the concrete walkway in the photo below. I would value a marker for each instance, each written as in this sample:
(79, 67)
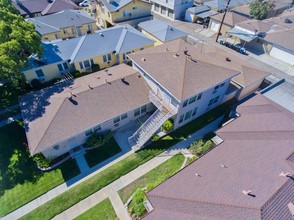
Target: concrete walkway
(82, 163)
(107, 191)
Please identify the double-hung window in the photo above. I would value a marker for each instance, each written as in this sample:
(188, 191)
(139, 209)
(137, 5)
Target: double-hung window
(86, 64)
(191, 100)
(194, 111)
(40, 74)
(107, 58)
(62, 67)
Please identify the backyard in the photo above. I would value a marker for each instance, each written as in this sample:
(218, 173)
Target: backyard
(20, 180)
(105, 177)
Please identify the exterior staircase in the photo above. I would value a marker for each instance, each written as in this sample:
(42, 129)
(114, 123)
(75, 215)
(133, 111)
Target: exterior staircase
(151, 125)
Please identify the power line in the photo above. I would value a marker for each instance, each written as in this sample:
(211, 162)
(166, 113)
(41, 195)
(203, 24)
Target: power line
(220, 27)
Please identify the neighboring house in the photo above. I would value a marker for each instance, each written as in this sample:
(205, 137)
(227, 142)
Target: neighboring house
(220, 5)
(35, 8)
(173, 9)
(199, 12)
(161, 32)
(118, 12)
(193, 80)
(59, 118)
(248, 176)
(105, 48)
(231, 19)
(269, 36)
(64, 24)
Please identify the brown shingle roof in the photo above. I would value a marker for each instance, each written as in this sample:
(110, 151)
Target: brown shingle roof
(50, 117)
(184, 78)
(231, 18)
(257, 148)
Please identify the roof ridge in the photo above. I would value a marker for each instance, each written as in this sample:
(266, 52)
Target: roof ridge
(78, 47)
(49, 125)
(121, 39)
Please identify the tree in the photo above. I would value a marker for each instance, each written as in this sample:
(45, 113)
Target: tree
(18, 40)
(261, 8)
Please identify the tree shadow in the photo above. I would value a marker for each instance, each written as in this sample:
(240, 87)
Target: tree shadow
(16, 166)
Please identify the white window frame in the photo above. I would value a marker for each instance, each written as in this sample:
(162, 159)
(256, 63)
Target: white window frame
(41, 78)
(83, 66)
(106, 58)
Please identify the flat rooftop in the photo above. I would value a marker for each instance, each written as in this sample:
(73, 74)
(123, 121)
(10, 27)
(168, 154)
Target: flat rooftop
(282, 93)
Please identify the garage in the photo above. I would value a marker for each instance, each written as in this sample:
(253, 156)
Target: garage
(214, 26)
(283, 55)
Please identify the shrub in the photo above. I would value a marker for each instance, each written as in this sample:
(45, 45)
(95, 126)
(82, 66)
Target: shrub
(167, 126)
(206, 146)
(95, 67)
(76, 74)
(155, 137)
(97, 140)
(41, 160)
(196, 146)
(36, 84)
(136, 206)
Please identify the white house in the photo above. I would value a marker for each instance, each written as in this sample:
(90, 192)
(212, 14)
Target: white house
(173, 9)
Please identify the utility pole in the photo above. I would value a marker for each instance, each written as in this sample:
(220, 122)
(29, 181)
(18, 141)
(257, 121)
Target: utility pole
(220, 27)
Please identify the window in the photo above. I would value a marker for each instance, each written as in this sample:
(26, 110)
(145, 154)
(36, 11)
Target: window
(156, 7)
(170, 13)
(215, 89)
(188, 115)
(134, 8)
(137, 112)
(97, 129)
(222, 84)
(125, 13)
(194, 111)
(102, 10)
(56, 147)
(185, 103)
(216, 99)
(88, 133)
(199, 96)
(73, 31)
(116, 119)
(46, 38)
(124, 116)
(62, 67)
(163, 10)
(64, 31)
(86, 64)
(143, 109)
(181, 119)
(210, 102)
(124, 57)
(191, 100)
(142, 48)
(107, 58)
(108, 14)
(40, 74)
(57, 36)
(90, 28)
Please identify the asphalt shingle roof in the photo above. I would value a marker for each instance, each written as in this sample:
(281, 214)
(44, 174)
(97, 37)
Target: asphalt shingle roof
(162, 30)
(257, 148)
(67, 18)
(114, 6)
(51, 117)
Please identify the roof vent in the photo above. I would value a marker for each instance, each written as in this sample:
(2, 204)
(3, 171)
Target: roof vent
(90, 87)
(166, 49)
(197, 174)
(248, 193)
(101, 34)
(143, 59)
(185, 51)
(288, 20)
(176, 55)
(228, 59)
(287, 174)
(98, 77)
(223, 166)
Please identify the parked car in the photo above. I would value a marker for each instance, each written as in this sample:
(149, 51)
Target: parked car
(84, 3)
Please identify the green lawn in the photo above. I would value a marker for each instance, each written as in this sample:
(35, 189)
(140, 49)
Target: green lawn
(102, 153)
(20, 180)
(100, 180)
(154, 177)
(101, 211)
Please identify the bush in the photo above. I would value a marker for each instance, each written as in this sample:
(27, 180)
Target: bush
(97, 140)
(167, 126)
(136, 206)
(206, 146)
(95, 67)
(76, 74)
(36, 84)
(41, 160)
(155, 137)
(199, 147)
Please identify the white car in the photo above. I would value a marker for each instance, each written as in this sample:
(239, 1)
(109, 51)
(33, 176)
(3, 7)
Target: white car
(84, 3)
